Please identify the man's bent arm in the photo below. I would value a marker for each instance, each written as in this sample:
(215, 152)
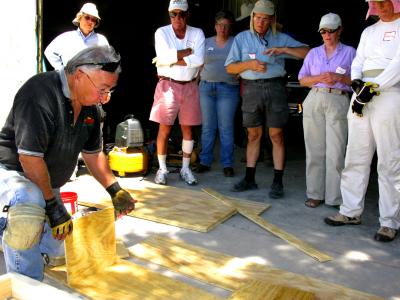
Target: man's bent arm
(35, 169)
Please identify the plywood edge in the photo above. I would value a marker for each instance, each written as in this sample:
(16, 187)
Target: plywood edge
(13, 285)
(5, 286)
(291, 239)
(258, 290)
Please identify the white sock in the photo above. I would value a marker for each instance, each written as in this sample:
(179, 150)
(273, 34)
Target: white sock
(185, 162)
(162, 161)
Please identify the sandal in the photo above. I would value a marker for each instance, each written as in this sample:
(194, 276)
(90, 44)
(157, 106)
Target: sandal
(313, 203)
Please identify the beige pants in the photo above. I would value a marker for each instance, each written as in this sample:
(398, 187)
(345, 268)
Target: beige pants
(325, 137)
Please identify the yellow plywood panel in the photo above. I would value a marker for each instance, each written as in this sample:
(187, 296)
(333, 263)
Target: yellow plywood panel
(185, 208)
(126, 280)
(231, 272)
(91, 247)
(258, 290)
(291, 239)
(94, 270)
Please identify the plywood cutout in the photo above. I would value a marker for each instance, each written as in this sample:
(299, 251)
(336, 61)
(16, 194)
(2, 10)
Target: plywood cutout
(94, 269)
(291, 239)
(232, 273)
(185, 208)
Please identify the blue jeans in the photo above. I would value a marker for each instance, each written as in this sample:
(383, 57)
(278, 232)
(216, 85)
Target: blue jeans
(17, 189)
(218, 103)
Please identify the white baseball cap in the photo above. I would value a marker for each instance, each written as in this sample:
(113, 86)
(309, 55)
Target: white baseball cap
(178, 4)
(264, 7)
(330, 21)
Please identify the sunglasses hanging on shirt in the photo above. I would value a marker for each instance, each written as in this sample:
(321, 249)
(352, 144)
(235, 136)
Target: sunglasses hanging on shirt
(106, 66)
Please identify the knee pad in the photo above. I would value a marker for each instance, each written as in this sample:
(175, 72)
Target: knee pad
(24, 226)
(187, 146)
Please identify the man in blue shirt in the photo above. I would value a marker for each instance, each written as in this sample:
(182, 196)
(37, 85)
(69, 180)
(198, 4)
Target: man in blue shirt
(258, 56)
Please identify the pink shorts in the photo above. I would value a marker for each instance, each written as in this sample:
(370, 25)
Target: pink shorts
(173, 99)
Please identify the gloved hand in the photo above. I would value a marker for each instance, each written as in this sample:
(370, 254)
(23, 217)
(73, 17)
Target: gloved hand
(121, 199)
(364, 92)
(58, 218)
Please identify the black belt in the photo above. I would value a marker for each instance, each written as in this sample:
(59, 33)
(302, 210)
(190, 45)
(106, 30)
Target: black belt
(176, 81)
(263, 80)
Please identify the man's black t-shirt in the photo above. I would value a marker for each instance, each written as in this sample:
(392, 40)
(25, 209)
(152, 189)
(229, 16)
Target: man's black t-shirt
(40, 124)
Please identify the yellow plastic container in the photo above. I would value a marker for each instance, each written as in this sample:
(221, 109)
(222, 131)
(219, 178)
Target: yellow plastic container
(128, 160)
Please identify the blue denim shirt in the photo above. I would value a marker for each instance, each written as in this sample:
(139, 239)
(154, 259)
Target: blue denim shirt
(248, 45)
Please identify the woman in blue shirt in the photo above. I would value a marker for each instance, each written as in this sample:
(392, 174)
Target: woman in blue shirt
(219, 97)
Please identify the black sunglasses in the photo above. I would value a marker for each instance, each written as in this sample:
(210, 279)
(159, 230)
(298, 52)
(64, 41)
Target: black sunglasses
(323, 31)
(182, 14)
(107, 66)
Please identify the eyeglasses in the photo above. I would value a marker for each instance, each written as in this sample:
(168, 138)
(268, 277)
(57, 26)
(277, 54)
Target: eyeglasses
(90, 18)
(106, 66)
(102, 92)
(182, 14)
(323, 31)
(223, 26)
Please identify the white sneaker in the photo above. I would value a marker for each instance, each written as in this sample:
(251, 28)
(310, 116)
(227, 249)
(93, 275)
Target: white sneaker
(188, 177)
(161, 177)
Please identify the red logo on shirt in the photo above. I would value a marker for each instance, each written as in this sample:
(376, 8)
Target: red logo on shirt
(89, 121)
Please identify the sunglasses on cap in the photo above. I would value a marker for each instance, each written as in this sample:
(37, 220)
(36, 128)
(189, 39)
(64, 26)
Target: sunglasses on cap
(108, 66)
(182, 14)
(323, 31)
(90, 18)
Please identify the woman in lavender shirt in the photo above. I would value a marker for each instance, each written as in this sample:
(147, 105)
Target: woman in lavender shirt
(326, 70)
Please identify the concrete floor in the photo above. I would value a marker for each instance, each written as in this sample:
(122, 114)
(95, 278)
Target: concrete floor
(359, 261)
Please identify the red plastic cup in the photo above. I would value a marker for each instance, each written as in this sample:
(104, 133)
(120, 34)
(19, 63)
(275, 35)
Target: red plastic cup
(70, 200)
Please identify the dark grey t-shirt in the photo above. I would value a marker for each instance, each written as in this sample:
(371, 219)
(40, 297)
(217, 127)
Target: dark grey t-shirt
(40, 124)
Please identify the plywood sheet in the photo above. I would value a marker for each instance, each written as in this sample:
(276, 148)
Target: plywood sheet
(258, 290)
(231, 272)
(185, 208)
(126, 280)
(291, 239)
(94, 270)
(92, 246)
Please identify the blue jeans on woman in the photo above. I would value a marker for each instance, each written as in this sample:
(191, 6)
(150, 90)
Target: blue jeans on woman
(15, 189)
(218, 101)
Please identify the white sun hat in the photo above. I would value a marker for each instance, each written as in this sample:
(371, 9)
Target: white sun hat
(88, 9)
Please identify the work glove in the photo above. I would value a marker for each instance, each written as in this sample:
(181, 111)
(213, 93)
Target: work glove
(364, 92)
(121, 199)
(58, 218)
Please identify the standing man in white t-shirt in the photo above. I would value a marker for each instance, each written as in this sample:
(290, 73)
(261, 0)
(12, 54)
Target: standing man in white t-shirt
(374, 123)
